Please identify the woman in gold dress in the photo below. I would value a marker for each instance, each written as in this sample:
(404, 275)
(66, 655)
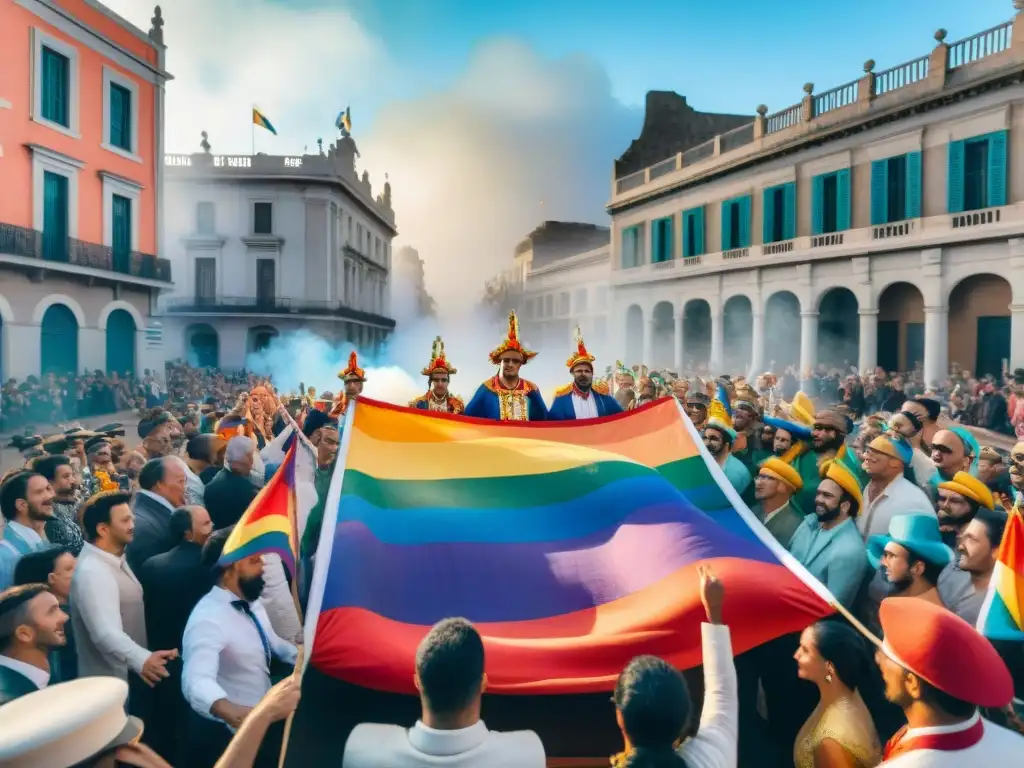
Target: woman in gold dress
(840, 732)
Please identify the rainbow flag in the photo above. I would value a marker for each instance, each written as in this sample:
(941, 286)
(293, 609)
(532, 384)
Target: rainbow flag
(258, 118)
(1002, 613)
(268, 525)
(572, 546)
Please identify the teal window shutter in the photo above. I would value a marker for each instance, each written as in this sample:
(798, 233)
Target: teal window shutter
(768, 215)
(687, 228)
(744, 207)
(121, 231)
(668, 238)
(997, 169)
(727, 244)
(843, 200)
(56, 75)
(698, 236)
(55, 217)
(880, 192)
(817, 205)
(789, 223)
(655, 241)
(913, 205)
(955, 179)
(120, 117)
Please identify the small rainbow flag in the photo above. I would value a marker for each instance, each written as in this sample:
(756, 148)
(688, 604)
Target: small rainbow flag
(573, 546)
(1002, 613)
(268, 525)
(258, 118)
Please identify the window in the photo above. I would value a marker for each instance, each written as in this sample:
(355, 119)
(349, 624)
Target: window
(206, 280)
(121, 117)
(601, 326)
(549, 305)
(631, 247)
(896, 188)
(661, 240)
(581, 300)
(120, 114)
(693, 232)
(528, 309)
(359, 237)
(206, 218)
(266, 282)
(830, 211)
(563, 303)
(56, 85)
(121, 233)
(263, 218)
(602, 297)
(736, 223)
(348, 237)
(977, 172)
(55, 216)
(779, 214)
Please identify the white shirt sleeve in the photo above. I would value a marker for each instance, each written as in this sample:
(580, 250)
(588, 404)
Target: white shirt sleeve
(94, 593)
(201, 647)
(273, 452)
(277, 600)
(716, 739)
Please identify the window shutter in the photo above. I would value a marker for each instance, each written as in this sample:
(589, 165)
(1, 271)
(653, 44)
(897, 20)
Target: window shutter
(789, 224)
(997, 169)
(670, 238)
(955, 179)
(843, 200)
(817, 205)
(880, 192)
(655, 241)
(698, 237)
(626, 260)
(115, 116)
(768, 214)
(727, 244)
(687, 228)
(744, 207)
(913, 209)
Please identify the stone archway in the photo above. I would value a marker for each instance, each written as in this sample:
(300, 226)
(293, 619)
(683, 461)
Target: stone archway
(696, 333)
(634, 333)
(781, 331)
(202, 345)
(838, 329)
(738, 326)
(664, 342)
(58, 341)
(979, 324)
(260, 338)
(900, 328)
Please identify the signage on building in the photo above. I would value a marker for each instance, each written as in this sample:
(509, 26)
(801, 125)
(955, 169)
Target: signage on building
(155, 336)
(232, 161)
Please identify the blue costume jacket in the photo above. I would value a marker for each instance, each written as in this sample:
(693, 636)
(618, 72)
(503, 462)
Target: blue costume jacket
(562, 408)
(493, 401)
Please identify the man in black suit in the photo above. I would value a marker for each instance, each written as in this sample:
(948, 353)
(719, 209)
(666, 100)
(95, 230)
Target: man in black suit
(161, 491)
(231, 492)
(172, 584)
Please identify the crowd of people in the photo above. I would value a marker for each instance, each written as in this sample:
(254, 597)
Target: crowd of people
(114, 595)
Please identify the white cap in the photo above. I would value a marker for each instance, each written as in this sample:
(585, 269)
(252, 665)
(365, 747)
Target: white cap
(62, 725)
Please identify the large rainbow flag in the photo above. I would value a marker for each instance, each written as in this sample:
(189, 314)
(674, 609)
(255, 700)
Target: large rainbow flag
(572, 546)
(1002, 613)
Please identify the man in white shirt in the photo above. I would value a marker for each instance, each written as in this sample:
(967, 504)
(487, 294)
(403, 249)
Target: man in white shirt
(26, 501)
(889, 493)
(109, 620)
(451, 680)
(228, 648)
(31, 625)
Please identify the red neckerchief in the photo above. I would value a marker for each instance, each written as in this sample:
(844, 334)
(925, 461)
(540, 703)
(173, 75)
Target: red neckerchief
(943, 742)
(579, 393)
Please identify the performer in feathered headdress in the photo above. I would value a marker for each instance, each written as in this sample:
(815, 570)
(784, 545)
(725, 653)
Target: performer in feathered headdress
(584, 398)
(506, 397)
(354, 377)
(439, 372)
(719, 436)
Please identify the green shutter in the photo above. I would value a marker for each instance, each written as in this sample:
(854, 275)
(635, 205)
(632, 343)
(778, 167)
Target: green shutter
(667, 237)
(955, 179)
(727, 244)
(768, 215)
(121, 231)
(789, 224)
(997, 169)
(55, 217)
(880, 192)
(817, 205)
(744, 206)
(55, 87)
(698, 237)
(120, 117)
(843, 200)
(655, 241)
(628, 250)
(913, 185)
(687, 228)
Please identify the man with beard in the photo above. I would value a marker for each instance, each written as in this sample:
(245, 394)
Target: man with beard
(26, 501)
(959, 501)
(976, 552)
(439, 372)
(993, 473)
(31, 628)
(507, 397)
(718, 439)
(745, 418)
(827, 543)
(583, 399)
(228, 648)
(353, 378)
(774, 488)
(911, 556)
(791, 445)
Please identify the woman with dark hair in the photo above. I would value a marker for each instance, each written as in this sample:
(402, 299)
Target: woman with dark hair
(840, 732)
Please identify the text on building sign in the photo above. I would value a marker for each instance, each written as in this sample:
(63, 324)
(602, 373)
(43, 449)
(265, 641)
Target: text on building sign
(178, 161)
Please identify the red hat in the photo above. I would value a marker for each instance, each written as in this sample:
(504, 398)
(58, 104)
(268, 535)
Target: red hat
(945, 651)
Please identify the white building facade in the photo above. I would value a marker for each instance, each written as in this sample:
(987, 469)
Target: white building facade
(878, 223)
(265, 245)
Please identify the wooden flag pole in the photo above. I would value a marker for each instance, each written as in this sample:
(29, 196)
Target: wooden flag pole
(297, 673)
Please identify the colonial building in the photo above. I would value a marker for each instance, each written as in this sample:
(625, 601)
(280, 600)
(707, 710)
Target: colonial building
(266, 244)
(880, 222)
(81, 121)
(410, 278)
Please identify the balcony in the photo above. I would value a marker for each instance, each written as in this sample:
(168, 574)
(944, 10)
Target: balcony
(259, 305)
(23, 247)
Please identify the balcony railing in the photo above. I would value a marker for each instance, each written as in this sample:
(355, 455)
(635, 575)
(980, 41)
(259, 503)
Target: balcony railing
(30, 244)
(273, 306)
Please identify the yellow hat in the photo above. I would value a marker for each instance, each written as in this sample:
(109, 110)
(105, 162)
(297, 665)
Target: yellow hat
(780, 470)
(842, 477)
(970, 487)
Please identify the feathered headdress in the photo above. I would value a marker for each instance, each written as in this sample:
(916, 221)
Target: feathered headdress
(720, 413)
(512, 343)
(438, 362)
(580, 355)
(621, 369)
(353, 372)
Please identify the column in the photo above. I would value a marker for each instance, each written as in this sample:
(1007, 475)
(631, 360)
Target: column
(1016, 336)
(868, 357)
(936, 344)
(757, 346)
(808, 346)
(677, 352)
(717, 340)
(648, 343)
(92, 349)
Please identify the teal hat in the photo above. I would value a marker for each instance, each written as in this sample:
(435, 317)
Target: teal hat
(917, 533)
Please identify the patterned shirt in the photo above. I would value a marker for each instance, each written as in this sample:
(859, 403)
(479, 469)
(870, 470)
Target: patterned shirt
(63, 529)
